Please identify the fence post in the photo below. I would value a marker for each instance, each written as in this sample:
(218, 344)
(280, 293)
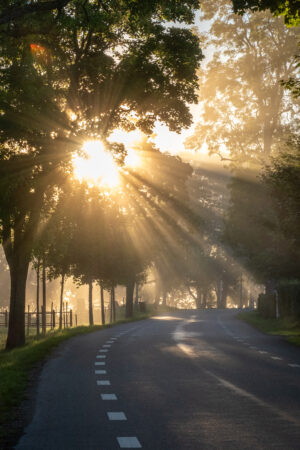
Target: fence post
(6, 318)
(71, 318)
(53, 318)
(64, 314)
(67, 314)
(76, 320)
(28, 319)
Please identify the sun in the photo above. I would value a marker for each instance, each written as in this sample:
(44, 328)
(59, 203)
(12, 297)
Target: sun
(97, 166)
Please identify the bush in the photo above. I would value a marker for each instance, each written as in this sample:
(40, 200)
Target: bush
(289, 302)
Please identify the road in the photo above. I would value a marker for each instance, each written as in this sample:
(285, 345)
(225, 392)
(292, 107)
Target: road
(187, 380)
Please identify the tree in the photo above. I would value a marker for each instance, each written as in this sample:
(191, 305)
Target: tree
(82, 71)
(289, 9)
(246, 111)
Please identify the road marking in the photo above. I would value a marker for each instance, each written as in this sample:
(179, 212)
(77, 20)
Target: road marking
(103, 382)
(276, 357)
(101, 356)
(110, 342)
(99, 363)
(106, 345)
(262, 352)
(109, 397)
(116, 416)
(253, 348)
(294, 365)
(103, 350)
(100, 372)
(129, 442)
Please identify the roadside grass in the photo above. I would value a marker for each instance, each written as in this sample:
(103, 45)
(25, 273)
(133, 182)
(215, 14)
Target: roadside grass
(16, 366)
(288, 327)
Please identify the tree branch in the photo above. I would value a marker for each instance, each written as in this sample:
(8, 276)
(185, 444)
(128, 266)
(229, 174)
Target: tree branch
(18, 12)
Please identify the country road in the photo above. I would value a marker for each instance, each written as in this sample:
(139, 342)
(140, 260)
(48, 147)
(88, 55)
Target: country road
(187, 380)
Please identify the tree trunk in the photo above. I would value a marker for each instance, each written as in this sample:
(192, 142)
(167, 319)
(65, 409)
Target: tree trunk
(44, 296)
(204, 299)
(62, 284)
(164, 302)
(38, 298)
(129, 299)
(113, 304)
(91, 317)
(198, 298)
(102, 305)
(136, 293)
(16, 325)
(111, 307)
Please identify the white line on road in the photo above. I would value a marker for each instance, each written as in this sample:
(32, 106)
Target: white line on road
(116, 416)
(110, 342)
(103, 350)
(276, 357)
(101, 356)
(109, 397)
(100, 372)
(129, 442)
(294, 365)
(103, 382)
(106, 345)
(262, 352)
(101, 363)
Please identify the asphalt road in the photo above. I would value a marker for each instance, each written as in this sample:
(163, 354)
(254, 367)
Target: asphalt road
(189, 380)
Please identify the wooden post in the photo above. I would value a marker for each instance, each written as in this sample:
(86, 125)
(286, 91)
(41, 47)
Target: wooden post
(38, 297)
(76, 320)
(67, 314)
(71, 318)
(64, 315)
(28, 319)
(53, 318)
(44, 324)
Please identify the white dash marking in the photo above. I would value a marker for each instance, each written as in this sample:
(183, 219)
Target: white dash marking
(294, 365)
(101, 356)
(100, 372)
(109, 397)
(103, 350)
(276, 357)
(101, 363)
(103, 383)
(262, 352)
(129, 442)
(110, 342)
(116, 416)
(106, 345)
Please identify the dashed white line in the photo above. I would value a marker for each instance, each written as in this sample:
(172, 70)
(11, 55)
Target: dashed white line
(276, 357)
(103, 383)
(101, 356)
(294, 365)
(106, 345)
(109, 397)
(116, 416)
(103, 350)
(100, 372)
(129, 442)
(101, 363)
(262, 352)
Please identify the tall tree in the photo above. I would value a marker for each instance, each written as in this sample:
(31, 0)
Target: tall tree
(246, 111)
(82, 70)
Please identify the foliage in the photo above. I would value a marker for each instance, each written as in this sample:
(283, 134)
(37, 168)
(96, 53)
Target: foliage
(246, 111)
(289, 9)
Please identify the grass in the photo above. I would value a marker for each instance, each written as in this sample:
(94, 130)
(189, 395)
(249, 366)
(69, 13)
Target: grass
(17, 365)
(288, 327)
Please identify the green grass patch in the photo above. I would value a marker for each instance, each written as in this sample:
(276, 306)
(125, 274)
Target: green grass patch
(289, 327)
(16, 366)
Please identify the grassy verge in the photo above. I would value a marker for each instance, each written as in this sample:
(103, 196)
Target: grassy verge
(16, 366)
(287, 327)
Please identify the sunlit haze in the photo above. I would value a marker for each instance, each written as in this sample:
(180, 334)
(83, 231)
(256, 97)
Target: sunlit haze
(97, 167)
